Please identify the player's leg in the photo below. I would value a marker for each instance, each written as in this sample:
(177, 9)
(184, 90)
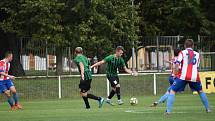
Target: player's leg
(12, 88)
(198, 87)
(162, 98)
(6, 92)
(91, 96)
(83, 94)
(9, 99)
(15, 97)
(177, 85)
(113, 83)
(120, 102)
(165, 96)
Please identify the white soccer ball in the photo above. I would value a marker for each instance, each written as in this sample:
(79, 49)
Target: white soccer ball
(133, 101)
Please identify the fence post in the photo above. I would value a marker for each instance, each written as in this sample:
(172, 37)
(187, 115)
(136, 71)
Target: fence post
(108, 87)
(70, 72)
(47, 60)
(155, 85)
(157, 41)
(59, 88)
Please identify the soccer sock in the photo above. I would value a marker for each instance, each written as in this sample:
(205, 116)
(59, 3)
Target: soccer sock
(86, 102)
(204, 99)
(118, 93)
(112, 93)
(10, 101)
(15, 97)
(170, 101)
(163, 98)
(91, 96)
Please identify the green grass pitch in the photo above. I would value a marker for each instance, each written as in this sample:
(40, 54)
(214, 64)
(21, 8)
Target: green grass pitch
(187, 107)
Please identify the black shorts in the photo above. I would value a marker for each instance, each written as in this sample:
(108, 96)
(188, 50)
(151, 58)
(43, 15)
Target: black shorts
(85, 85)
(114, 80)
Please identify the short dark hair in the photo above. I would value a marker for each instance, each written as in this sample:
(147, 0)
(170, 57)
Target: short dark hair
(78, 50)
(176, 52)
(119, 48)
(188, 43)
(7, 53)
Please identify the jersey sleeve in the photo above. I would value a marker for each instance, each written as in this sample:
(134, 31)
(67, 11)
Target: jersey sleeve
(107, 59)
(1, 67)
(180, 58)
(77, 60)
(122, 62)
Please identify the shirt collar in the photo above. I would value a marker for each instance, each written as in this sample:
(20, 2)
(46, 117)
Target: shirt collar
(189, 48)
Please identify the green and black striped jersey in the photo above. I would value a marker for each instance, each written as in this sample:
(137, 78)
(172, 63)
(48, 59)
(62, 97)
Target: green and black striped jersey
(113, 63)
(83, 59)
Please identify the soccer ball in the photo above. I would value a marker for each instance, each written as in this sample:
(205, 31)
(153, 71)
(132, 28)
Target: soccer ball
(133, 101)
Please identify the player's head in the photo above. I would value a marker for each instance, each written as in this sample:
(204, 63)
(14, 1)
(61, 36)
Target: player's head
(188, 43)
(119, 51)
(176, 52)
(9, 56)
(78, 50)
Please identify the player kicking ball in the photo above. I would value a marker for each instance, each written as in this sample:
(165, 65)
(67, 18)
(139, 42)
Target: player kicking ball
(6, 84)
(171, 80)
(188, 74)
(114, 62)
(86, 78)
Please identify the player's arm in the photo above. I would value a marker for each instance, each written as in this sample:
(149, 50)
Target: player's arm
(7, 75)
(98, 63)
(82, 70)
(177, 63)
(168, 61)
(130, 71)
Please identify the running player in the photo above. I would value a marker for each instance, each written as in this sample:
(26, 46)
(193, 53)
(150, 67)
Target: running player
(86, 78)
(171, 80)
(114, 62)
(6, 84)
(188, 74)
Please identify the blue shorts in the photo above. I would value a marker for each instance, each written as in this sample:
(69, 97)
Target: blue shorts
(171, 81)
(180, 84)
(5, 85)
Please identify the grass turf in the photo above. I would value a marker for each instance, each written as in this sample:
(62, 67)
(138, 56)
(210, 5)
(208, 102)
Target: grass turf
(186, 108)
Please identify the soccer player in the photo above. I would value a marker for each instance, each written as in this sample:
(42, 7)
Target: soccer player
(171, 80)
(6, 84)
(114, 62)
(86, 78)
(188, 74)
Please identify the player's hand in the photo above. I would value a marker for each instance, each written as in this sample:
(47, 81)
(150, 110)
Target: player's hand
(11, 77)
(134, 73)
(82, 77)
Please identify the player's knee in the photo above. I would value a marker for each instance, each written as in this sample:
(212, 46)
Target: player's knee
(13, 91)
(83, 94)
(118, 85)
(7, 93)
(114, 88)
(172, 92)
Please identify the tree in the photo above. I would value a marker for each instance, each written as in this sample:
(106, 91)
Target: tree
(98, 25)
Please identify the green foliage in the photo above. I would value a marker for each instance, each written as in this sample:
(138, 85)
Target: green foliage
(178, 17)
(96, 25)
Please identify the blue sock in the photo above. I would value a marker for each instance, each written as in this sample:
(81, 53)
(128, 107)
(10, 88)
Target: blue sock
(10, 101)
(163, 98)
(170, 101)
(15, 97)
(204, 99)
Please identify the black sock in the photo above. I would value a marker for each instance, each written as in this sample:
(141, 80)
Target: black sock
(112, 93)
(118, 93)
(86, 102)
(91, 96)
